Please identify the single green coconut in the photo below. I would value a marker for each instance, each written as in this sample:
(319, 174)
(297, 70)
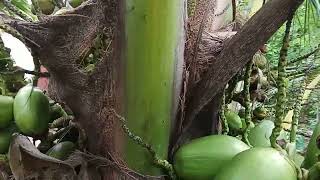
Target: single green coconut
(202, 158)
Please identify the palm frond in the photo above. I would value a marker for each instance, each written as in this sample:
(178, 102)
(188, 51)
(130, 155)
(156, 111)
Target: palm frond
(316, 6)
(17, 9)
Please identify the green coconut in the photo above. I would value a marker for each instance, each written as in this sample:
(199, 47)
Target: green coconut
(62, 150)
(31, 111)
(259, 136)
(233, 119)
(203, 158)
(264, 82)
(75, 3)
(260, 61)
(242, 113)
(46, 6)
(259, 164)
(260, 112)
(5, 137)
(244, 124)
(6, 111)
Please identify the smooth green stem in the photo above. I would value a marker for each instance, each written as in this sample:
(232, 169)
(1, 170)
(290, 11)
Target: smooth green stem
(152, 59)
(281, 95)
(247, 101)
(225, 126)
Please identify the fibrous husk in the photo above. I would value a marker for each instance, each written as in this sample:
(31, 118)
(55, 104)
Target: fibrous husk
(27, 162)
(209, 49)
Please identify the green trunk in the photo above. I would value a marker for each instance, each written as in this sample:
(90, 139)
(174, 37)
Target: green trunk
(153, 52)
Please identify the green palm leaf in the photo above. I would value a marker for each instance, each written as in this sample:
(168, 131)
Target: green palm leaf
(20, 6)
(316, 5)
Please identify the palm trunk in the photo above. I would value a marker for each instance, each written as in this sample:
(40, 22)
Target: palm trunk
(154, 55)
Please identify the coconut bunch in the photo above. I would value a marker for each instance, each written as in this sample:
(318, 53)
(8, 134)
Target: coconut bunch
(31, 113)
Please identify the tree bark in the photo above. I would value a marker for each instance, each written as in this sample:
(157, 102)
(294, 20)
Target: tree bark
(59, 42)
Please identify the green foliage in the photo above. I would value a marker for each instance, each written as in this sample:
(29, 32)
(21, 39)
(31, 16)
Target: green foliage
(24, 7)
(5, 59)
(304, 40)
(9, 82)
(304, 36)
(17, 8)
(316, 5)
(302, 64)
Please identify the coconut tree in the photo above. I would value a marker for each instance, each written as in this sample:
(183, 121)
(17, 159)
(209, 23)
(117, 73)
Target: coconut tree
(141, 77)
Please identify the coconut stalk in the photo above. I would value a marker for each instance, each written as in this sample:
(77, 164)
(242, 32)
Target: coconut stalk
(225, 126)
(153, 54)
(281, 95)
(296, 113)
(247, 102)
